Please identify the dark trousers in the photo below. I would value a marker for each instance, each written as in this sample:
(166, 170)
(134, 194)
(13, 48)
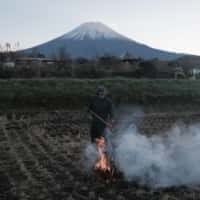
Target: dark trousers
(96, 130)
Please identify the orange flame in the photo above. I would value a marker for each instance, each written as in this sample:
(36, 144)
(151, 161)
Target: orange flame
(102, 163)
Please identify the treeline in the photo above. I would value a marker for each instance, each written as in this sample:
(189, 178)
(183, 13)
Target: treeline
(13, 65)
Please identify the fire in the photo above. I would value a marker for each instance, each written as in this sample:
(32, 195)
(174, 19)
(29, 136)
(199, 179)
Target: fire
(102, 163)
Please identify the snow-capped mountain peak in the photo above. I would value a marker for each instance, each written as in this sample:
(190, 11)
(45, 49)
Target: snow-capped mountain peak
(93, 30)
(94, 39)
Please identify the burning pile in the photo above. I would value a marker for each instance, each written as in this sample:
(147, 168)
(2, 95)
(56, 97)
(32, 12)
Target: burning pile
(103, 165)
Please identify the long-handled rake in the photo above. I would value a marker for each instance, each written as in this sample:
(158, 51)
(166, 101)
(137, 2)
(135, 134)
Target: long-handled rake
(107, 135)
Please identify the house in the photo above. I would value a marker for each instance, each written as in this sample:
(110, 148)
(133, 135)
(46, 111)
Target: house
(195, 72)
(129, 62)
(179, 73)
(128, 58)
(27, 61)
(9, 64)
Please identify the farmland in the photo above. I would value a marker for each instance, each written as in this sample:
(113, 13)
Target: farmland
(74, 93)
(41, 157)
(42, 139)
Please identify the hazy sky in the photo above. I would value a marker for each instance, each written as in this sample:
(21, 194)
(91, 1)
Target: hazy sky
(166, 24)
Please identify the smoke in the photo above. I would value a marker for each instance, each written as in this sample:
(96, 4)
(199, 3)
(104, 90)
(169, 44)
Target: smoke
(161, 160)
(90, 157)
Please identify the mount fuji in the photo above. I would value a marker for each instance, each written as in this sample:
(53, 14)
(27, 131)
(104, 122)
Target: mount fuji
(94, 39)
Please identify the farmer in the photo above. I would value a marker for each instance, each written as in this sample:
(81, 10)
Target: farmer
(101, 110)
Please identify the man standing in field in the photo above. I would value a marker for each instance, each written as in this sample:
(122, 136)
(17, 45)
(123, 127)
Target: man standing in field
(101, 109)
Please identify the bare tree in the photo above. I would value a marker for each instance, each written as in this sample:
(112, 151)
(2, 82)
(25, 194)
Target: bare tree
(34, 52)
(61, 53)
(128, 55)
(1, 48)
(16, 46)
(8, 46)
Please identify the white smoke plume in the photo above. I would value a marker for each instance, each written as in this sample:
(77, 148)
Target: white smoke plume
(162, 160)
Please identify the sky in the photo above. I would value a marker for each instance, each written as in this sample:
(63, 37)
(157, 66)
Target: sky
(172, 25)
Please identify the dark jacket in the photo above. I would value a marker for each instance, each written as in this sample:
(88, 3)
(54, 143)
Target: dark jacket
(103, 107)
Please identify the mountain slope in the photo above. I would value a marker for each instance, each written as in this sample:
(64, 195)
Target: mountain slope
(94, 39)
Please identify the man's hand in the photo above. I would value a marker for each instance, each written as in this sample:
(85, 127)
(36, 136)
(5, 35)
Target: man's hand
(112, 121)
(111, 124)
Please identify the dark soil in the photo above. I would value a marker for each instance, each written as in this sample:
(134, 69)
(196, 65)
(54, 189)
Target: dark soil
(41, 153)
